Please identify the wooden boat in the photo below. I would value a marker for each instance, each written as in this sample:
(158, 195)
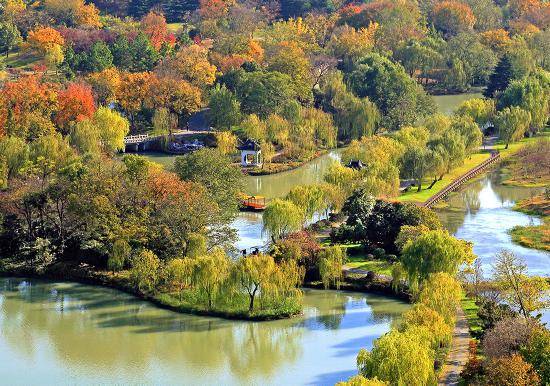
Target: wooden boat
(254, 203)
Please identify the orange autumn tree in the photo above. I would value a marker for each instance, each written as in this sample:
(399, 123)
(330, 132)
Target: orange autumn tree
(76, 103)
(155, 27)
(191, 64)
(26, 106)
(452, 17)
(497, 39)
(132, 92)
(44, 39)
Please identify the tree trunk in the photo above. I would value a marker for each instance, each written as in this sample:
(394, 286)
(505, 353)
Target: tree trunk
(506, 147)
(419, 186)
(433, 183)
(252, 296)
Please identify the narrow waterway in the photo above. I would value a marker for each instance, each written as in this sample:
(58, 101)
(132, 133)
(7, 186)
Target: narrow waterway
(66, 333)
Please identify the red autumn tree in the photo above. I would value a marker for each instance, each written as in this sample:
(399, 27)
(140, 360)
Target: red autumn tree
(76, 103)
(212, 9)
(155, 27)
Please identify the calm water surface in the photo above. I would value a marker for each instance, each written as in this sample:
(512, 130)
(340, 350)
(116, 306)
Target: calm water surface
(66, 333)
(448, 103)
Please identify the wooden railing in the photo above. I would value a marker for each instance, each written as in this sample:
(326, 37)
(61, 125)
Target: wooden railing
(136, 138)
(495, 156)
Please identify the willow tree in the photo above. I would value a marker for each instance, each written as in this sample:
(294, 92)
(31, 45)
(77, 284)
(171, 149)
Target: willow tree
(259, 276)
(178, 273)
(431, 252)
(310, 198)
(282, 217)
(421, 315)
(210, 272)
(145, 270)
(442, 293)
(400, 358)
(512, 123)
(330, 264)
(120, 254)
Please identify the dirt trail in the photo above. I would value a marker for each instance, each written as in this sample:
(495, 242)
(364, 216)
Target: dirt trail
(458, 355)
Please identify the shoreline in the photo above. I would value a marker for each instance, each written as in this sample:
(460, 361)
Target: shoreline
(83, 274)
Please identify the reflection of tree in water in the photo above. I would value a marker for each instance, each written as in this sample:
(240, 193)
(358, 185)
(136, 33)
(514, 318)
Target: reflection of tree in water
(91, 327)
(262, 349)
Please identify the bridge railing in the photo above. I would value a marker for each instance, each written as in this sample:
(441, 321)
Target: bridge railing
(461, 180)
(136, 138)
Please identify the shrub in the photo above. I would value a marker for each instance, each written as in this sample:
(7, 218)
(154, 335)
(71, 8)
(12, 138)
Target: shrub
(379, 253)
(144, 273)
(537, 353)
(119, 255)
(508, 336)
(510, 371)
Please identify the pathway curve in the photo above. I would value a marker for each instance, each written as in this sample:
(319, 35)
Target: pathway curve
(458, 354)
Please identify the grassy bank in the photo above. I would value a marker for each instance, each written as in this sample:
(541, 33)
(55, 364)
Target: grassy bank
(535, 237)
(471, 310)
(469, 163)
(230, 309)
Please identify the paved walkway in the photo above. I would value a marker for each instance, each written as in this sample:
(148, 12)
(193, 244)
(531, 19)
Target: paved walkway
(458, 354)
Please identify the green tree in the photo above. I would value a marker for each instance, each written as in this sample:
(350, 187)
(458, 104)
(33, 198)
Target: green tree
(400, 99)
(225, 109)
(442, 293)
(399, 358)
(210, 273)
(420, 315)
(330, 264)
(471, 134)
(434, 251)
(178, 274)
(282, 217)
(532, 94)
(537, 353)
(524, 293)
(99, 58)
(500, 77)
(512, 123)
(9, 37)
(15, 152)
(145, 271)
(215, 171)
(480, 110)
(113, 127)
(119, 256)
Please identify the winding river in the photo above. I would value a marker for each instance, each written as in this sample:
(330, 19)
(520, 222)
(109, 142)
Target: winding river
(65, 333)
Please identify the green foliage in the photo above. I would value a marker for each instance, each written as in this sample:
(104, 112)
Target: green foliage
(420, 315)
(400, 99)
(512, 123)
(119, 256)
(442, 293)
(196, 245)
(222, 180)
(431, 252)
(399, 358)
(145, 271)
(330, 264)
(537, 353)
(282, 217)
(9, 37)
(225, 109)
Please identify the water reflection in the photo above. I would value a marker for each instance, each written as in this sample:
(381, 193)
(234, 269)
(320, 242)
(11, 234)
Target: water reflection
(482, 213)
(69, 333)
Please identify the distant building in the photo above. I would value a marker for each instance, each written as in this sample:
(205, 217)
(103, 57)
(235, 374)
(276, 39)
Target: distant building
(251, 153)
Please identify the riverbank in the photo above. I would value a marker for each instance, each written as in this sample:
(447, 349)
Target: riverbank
(534, 236)
(279, 167)
(86, 274)
(470, 163)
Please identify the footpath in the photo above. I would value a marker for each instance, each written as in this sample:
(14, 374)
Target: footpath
(458, 354)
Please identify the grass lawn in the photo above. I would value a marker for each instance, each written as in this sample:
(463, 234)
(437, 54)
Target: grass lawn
(536, 237)
(20, 60)
(424, 194)
(174, 27)
(470, 163)
(381, 267)
(470, 310)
